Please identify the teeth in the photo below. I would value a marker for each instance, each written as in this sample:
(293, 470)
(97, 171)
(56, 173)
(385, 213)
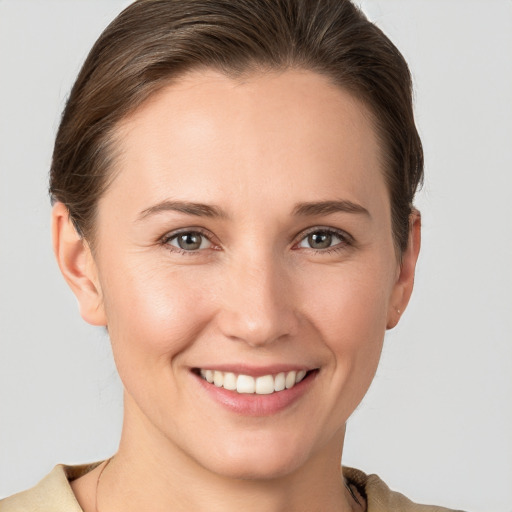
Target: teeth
(264, 385)
(300, 375)
(245, 384)
(280, 382)
(230, 381)
(290, 379)
(218, 378)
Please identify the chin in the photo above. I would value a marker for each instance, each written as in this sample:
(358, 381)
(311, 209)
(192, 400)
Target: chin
(261, 468)
(256, 460)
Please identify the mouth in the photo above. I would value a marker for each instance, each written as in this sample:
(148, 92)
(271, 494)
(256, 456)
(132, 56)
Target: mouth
(249, 385)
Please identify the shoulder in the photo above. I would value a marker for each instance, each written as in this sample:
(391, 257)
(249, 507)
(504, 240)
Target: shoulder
(52, 494)
(380, 498)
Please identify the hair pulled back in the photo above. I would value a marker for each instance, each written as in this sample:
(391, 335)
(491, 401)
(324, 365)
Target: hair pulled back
(153, 42)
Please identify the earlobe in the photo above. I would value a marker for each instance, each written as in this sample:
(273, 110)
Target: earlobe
(77, 266)
(405, 282)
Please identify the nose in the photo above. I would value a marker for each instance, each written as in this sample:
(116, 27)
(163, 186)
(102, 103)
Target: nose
(258, 304)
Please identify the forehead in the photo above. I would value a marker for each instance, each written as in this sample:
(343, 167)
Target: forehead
(210, 135)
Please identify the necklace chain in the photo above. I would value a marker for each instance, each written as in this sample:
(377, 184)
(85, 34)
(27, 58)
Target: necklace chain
(348, 485)
(98, 484)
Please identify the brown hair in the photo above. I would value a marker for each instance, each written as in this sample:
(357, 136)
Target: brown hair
(154, 41)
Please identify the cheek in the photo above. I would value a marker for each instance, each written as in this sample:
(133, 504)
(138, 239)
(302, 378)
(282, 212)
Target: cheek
(348, 308)
(349, 303)
(152, 315)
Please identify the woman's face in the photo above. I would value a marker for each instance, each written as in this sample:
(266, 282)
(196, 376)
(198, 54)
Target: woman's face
(248, 233)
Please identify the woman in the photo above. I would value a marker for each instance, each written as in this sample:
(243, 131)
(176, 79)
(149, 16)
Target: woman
(233, 189)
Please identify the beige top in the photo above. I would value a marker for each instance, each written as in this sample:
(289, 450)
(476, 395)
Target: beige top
(54, 494)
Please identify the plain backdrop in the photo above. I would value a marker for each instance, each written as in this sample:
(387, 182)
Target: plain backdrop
(437, 421)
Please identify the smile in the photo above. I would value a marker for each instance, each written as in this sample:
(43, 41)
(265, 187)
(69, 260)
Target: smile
(246, 384)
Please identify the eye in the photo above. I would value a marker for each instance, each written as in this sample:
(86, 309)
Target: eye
(189, 241)
(322, 239)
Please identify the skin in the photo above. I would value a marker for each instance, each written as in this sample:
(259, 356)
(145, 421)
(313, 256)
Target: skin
(255, 293)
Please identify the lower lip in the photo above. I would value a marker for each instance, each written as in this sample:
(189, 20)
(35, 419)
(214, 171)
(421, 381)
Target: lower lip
(257, 405)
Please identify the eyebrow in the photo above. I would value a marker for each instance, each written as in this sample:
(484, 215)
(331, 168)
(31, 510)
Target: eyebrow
(328, 207)
(308, 209)
(197, 209)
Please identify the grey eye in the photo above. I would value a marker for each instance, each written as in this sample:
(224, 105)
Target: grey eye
(320, 240)
(190, 241)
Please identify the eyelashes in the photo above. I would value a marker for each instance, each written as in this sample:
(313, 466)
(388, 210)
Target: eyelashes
(325, 240)
(321, 240)
(189, 241)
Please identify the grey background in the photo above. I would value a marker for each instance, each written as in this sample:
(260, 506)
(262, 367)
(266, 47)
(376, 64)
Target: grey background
(437, 422)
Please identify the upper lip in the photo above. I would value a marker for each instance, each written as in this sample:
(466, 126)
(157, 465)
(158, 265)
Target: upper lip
(255, 371)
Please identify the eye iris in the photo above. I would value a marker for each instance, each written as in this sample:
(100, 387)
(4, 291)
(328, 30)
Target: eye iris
(189, 241)
(320, 240)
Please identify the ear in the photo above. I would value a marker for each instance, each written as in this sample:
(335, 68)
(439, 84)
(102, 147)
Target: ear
(405, 281)
(77, 266)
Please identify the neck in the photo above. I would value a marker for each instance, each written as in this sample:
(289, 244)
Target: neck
(148, 464)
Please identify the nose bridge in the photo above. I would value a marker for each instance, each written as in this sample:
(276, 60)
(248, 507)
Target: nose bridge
(258, 306)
